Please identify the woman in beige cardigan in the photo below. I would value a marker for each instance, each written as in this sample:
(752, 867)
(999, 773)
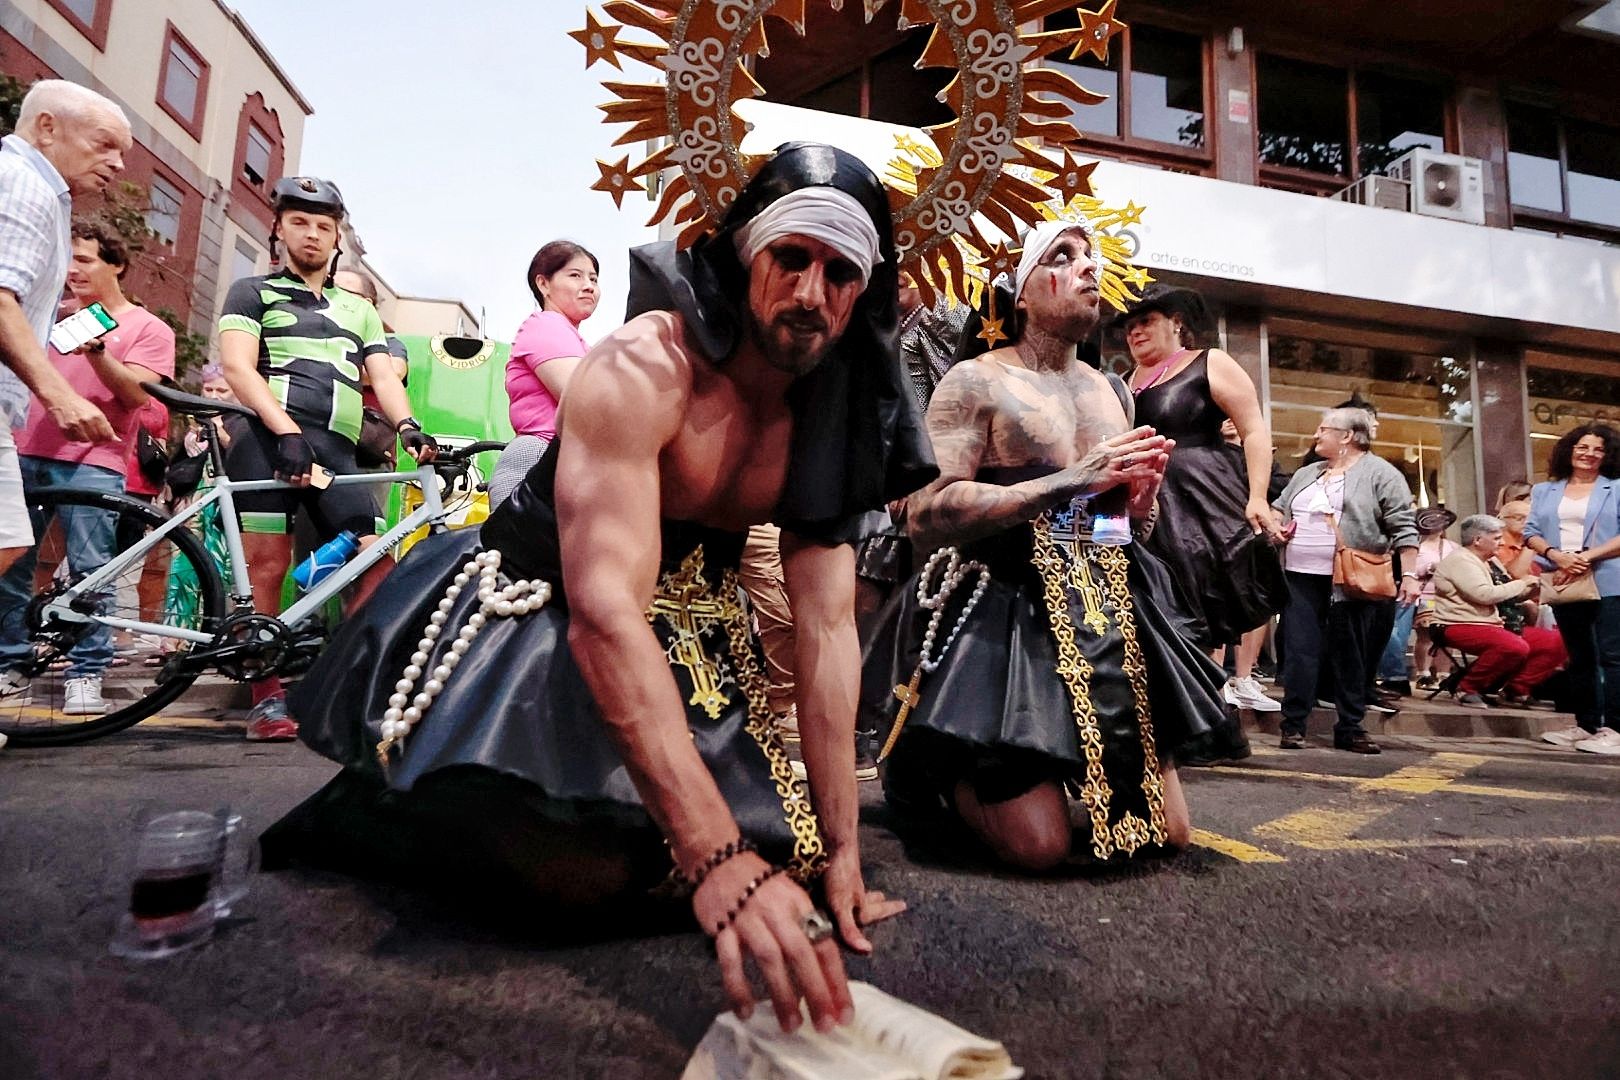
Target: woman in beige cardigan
(1466, 595)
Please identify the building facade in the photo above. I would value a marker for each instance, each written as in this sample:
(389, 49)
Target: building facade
(1474, 300)
(216, 122)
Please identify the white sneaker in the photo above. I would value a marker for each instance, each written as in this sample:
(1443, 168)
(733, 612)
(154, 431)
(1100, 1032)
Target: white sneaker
(1246, 694)
(15, 688)
(1566, 736)
(81, 696)
(787, 724)
(1606, 741)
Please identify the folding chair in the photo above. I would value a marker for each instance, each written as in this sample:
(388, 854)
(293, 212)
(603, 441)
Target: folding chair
(1461, 661)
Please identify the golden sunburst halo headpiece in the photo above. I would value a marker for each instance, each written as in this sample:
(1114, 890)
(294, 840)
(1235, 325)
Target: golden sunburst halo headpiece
(978, 173)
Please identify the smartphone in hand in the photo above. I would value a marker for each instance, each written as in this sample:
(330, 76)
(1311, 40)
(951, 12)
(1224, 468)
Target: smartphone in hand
(82, 326)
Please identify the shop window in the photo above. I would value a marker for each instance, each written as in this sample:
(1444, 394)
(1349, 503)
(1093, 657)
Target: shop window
(256, 156)
(1564, 393)
(164, 204)
(1563, 169)
(1422, 390)
(183, 83)
(1394, 115)
(1304, 122)
(1154, 79)
(88, 17)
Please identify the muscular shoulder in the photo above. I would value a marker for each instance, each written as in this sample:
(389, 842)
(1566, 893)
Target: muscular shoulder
(637, 380)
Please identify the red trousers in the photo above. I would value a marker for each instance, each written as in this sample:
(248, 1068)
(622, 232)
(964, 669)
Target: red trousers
(1520, 663)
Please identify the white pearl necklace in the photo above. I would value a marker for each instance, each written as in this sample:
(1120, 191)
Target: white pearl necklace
(955, 572)
(518, 598)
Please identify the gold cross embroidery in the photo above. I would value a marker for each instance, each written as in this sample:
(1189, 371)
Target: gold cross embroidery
(1096, 618)
(685, 602)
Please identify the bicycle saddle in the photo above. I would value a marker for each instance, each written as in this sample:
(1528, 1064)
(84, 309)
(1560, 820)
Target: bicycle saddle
(192, 405)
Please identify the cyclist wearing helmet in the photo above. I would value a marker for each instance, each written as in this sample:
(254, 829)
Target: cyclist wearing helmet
(293, 346)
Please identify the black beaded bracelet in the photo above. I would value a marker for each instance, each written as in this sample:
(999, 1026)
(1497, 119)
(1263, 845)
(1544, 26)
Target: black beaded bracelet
(680, 884)
(742, 901)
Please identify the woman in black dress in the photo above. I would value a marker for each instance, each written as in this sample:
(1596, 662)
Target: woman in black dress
(1213, 502)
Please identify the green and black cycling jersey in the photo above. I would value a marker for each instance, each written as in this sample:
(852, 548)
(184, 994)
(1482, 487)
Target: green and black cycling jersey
(311, 346)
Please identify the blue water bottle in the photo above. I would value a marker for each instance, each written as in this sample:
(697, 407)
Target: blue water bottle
(325, 559)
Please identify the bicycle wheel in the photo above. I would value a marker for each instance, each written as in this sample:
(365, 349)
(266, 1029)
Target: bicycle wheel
(37, 715)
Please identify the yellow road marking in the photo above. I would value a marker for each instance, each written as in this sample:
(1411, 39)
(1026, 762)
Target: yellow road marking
(1329, 828)
(1456, 842)
(1458, 788)
(1237, 849)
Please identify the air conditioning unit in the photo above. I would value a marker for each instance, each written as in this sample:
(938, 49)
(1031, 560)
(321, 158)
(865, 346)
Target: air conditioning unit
(1384, 192)
(1443, 185)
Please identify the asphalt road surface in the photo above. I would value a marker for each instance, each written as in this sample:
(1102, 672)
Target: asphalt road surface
(1445, 910)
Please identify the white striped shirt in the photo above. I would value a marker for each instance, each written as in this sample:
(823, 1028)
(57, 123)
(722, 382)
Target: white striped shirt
(36, 213)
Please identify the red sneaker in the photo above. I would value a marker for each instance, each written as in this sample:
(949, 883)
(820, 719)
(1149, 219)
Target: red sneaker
(268, 721)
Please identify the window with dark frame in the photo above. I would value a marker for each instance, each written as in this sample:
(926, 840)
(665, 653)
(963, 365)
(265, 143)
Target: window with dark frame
(256, 156)
(164, 204)
(88, 17)
(83, 10)
(1562, 168)
(183, 82)
(1155, 82)
(887, 87)
(1394, 115)
(1304, 122)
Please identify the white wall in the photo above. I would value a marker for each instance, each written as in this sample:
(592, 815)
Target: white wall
(1213, 228)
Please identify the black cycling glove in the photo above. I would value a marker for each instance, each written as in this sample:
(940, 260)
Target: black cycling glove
(293, 456)
(415, 441)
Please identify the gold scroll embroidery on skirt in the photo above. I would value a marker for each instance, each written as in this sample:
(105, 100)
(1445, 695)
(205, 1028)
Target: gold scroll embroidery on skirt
(1064, 564)
(691, 607)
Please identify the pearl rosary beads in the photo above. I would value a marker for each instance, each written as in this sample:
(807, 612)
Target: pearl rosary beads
(955, 572)
(518, 598)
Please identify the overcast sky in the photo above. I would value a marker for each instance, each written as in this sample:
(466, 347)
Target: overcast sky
(464, 136)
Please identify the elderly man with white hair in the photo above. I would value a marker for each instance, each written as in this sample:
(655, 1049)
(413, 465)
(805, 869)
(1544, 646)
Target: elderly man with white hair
(69, 142)
(1031, 654)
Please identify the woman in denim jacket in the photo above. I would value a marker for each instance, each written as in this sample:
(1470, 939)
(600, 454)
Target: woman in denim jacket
(1574, 529)
(1373, 506)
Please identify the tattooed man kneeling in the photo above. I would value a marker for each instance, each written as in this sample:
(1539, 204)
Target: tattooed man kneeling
(1032, 662)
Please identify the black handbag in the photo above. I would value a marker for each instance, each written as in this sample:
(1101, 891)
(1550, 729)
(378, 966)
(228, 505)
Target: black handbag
(1259, 588)
(150, 456)
(184, 473)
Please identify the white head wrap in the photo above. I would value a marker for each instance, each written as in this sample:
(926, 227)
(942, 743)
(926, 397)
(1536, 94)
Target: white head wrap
(822, 213)
(1040, 239)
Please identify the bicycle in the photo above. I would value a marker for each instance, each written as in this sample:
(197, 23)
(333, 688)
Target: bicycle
(231, 638)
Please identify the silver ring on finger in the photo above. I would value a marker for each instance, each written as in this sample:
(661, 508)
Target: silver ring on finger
(817, 926)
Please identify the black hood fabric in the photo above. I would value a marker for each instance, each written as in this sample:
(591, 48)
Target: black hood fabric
(858, 440)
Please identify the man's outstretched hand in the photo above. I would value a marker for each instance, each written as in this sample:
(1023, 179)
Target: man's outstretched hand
(853, 905)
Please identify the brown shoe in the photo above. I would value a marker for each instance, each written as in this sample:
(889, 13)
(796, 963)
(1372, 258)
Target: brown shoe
(1292, 742)
(1358, 744)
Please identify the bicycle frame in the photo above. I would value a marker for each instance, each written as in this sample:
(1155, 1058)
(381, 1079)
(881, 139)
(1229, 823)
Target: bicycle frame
(431, 511)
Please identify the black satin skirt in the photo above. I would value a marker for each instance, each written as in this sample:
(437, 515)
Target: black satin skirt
(510, 778)
(999, 713)
(1204, 537)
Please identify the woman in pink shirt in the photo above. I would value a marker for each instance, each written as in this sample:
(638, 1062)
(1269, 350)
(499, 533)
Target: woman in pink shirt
(545, 352)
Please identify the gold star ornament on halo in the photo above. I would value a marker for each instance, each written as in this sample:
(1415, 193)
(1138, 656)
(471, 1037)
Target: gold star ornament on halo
(992, 334)
(617, 180)
(601, 40)
(1097, 28)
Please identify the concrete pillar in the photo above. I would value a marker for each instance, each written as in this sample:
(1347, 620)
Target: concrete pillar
(1502, 431)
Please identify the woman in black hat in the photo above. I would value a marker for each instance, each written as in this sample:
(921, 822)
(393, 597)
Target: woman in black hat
(1214, 522)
